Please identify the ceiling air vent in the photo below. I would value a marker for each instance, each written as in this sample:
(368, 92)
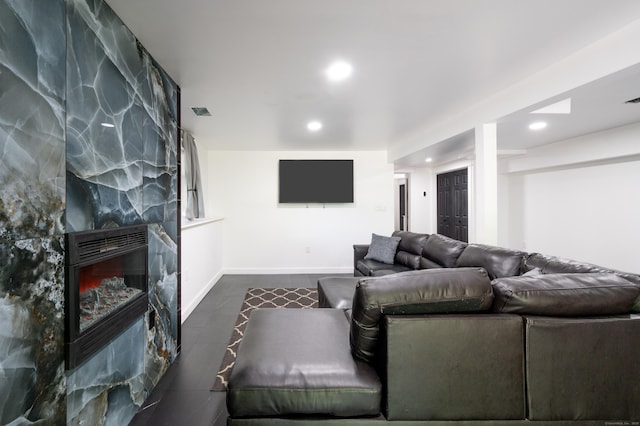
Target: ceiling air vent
(201, 111)
(633, 101)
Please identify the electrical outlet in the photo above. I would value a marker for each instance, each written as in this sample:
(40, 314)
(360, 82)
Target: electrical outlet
(307, 250)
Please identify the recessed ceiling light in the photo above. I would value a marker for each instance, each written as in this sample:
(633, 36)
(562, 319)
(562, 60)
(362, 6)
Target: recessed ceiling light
(108, 125)
(339, 70)
(314, 126)
(428, 160)
(538, 125)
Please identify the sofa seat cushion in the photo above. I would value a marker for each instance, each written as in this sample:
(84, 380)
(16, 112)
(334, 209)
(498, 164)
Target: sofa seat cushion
(298, 362)
(426, 291)
(336, 292)
(499, 262)
(574, 294)
(367, 267)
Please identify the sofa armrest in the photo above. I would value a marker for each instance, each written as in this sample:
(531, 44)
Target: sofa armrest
(359, 252)
(415, 292)
(440, 367)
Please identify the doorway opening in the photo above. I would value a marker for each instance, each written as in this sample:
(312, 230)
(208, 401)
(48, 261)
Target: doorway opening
(401, 204)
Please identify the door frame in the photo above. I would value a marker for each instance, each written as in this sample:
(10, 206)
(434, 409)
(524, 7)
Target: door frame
(397, 183)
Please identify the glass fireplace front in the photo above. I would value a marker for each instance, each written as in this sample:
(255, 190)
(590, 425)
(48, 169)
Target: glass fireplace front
(109, 284)
(106, 287)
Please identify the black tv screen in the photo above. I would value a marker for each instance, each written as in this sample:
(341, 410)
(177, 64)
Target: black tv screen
(316, 181)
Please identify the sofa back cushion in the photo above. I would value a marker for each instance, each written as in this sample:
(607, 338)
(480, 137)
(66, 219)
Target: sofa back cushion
(428, 264)
(499, 262)
(442, 250)
(414, 292)
(572, 294)
(411, 242)
(410, 248)
(407, 259)
(557, 265)
(554, 265)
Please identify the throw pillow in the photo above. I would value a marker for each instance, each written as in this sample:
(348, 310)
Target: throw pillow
(383, 249)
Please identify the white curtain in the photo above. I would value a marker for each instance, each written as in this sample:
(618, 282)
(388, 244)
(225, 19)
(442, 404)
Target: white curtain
(194, 198)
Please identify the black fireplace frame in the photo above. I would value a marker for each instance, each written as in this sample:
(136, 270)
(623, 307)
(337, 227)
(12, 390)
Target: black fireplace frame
(86, 248)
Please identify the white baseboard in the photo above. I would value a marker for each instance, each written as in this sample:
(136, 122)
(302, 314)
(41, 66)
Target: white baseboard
(302, 270)
(188, 310)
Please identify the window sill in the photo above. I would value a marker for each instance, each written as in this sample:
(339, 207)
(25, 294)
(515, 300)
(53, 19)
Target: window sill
(188, 224)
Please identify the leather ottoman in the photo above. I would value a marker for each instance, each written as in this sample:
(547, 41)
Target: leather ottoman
(299, 362)
(336, 292)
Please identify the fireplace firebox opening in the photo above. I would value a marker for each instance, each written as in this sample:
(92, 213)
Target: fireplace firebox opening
(106, 287)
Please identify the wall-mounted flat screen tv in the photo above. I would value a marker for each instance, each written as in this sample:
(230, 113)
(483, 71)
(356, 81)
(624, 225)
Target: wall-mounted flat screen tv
(315, 181)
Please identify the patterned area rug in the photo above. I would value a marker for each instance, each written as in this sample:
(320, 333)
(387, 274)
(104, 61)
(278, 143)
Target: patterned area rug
(300, 298)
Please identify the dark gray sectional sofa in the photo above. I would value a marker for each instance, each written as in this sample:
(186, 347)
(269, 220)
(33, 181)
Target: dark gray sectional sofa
(422, 251)
(448, 334)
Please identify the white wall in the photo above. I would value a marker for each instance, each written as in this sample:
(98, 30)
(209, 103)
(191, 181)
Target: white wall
(262, 236)
(201, 262)
(201, 245)
(584, 210)
(421, 206)
(201, 248)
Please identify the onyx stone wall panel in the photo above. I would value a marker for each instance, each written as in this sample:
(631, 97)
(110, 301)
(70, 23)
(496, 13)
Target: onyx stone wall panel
(163, 301)
(122, 174)
(104, 164)
(125, 174)
(109, 387)
(32, 203)
(32, 332)
(160, 186)
(67, 67)
(32, 97)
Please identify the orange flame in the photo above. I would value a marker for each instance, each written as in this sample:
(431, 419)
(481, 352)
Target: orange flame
(92, 275)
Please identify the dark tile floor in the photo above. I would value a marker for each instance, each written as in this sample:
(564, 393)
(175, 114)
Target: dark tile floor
(183, 396)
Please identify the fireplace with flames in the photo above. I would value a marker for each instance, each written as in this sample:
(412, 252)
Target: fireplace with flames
(106, 287)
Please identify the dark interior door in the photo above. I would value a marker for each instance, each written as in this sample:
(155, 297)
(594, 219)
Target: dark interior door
(453, 211)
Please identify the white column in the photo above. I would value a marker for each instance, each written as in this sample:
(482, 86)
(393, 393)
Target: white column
(486, 185)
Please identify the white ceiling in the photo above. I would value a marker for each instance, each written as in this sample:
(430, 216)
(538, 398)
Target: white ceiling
(258, 66)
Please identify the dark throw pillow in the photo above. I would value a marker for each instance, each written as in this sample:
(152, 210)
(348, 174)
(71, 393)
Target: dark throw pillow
(383, 249)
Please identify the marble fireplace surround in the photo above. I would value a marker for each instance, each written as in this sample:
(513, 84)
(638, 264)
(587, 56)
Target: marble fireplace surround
(66, 67)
